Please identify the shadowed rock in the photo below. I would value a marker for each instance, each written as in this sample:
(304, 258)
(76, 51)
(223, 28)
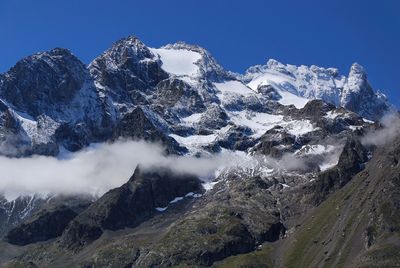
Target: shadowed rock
(129, 205)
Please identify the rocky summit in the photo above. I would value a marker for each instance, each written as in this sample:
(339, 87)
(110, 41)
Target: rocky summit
(306, 162)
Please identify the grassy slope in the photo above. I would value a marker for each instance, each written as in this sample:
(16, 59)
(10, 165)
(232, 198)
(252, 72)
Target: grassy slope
(260, 258)
(334, 234)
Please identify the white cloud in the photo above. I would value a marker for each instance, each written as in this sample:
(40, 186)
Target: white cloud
(96, 169)
(105, 166)
(389, 131)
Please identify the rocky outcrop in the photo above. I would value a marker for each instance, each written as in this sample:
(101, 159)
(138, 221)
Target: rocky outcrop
(49, 222)
(316, 109)
(142, 124)
(351, 161)
(40, 83)
(43, 92)
(13, 212)
(358, 95)
(275, 142)
(129, 205)
(127, 71)
(26, 212)
(178, 97)
(236, 138)
(227, 222)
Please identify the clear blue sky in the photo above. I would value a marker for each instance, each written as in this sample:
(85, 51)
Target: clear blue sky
(239, 34)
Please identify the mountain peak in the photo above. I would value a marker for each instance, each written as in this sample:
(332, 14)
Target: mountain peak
(128, 49)
(128, 53)
(271, 63)
(312, 82)
(358, 95)
(358, 71)
(59, 51)
(356, 67)
(51, 57)
(207, 66)
(185, 46)
(130, 39)
(48, 71)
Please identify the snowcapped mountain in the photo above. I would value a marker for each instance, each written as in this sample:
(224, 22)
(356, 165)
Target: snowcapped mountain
(352, 92)
(297, 130)
(177, 95)
(51, 101)
(44, 97)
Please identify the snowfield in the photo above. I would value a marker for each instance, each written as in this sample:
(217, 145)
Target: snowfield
(259, 123)
(234, 87)
(178, 61)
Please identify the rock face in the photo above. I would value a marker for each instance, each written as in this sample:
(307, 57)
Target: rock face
(359, 96)
(351, 161)
(43, 82)
(230, 221)
(129, 205)
(142, 124)
(15, 211)
(47, 226)
(126, 73)
(44, 93)
(24, 219)
(275, 142)
(49, 222)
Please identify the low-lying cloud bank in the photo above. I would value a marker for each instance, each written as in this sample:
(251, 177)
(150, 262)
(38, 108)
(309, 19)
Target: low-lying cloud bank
(102, 167)
(96, 169)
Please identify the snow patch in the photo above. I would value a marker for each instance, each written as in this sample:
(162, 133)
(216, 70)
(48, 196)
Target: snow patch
(315, 149)
(284, 185)
(195, 141)
(191, 119)
(258, 122)
(179, 62)
(191, 194)
(291, 99)
(283, 84)
(176, 200)
(331, 115)
(298, 127)
(234, 87)
(209, 185)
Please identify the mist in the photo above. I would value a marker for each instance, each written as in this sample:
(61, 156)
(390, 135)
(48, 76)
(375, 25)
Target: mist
(97, 169)
(389, 131)
(105, 166)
